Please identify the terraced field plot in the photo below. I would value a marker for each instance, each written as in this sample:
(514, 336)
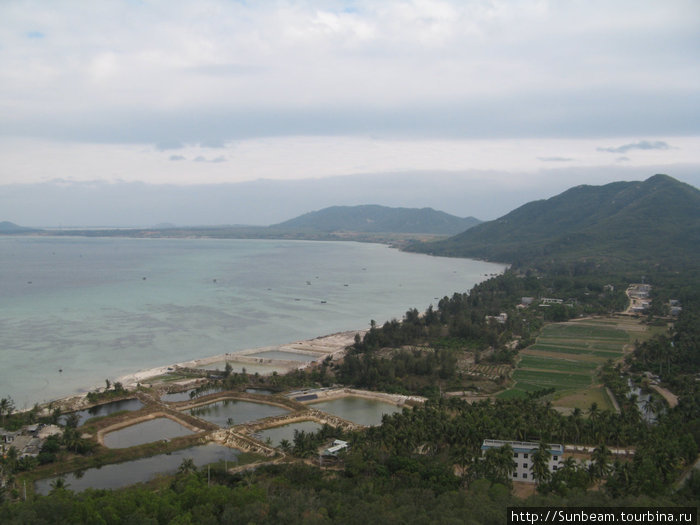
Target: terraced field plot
(566, 356)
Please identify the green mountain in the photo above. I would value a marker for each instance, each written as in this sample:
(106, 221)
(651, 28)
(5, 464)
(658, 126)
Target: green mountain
(378, 219)
(625, 222)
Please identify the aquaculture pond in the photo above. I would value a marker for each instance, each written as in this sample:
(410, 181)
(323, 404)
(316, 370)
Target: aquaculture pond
(174, 397)
(105, 410)
(359, 410)
(140, 470)
(277, 434)
(648, 409)
(286, 356)
(261, 391)
(230, 412)
(145, 432)
(249, 368)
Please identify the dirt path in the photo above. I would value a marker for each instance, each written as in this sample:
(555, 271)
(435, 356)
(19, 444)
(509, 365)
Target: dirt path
(670, 397)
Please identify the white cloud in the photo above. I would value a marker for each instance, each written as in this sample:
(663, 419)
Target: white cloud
(291, 158)
(300, 88)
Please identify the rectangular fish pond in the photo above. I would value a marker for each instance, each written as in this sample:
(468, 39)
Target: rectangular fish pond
(277, 434)
(250, 368)
(140, 470)
(105, 409)
(228, 412)
(360, 410)
(286, 356)
(145, 432)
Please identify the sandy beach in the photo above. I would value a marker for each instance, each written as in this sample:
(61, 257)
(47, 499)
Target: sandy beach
(320, 348)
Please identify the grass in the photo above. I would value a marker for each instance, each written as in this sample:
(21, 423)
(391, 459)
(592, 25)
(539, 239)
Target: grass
(558, 380)
(578, 351)
(585, 331)
(549, 363)
(594, 344)
(565, 357)
(583, 399)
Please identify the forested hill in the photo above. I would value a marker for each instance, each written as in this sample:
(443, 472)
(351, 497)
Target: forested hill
(657, 221)
(379, 219)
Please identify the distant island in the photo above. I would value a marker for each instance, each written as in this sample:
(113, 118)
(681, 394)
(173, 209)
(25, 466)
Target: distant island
(7, 227)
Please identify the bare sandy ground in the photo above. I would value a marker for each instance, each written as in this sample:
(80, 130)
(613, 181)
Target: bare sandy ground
(333, 345)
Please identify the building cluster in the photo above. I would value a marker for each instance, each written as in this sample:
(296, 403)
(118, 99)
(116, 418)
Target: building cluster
(28, 440)
(675, 307)
(500, 318)
(544, 302)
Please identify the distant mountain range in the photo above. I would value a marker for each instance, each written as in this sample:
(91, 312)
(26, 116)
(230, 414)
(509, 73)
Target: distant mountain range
(629, 222)
(369, 222)
(378, 219)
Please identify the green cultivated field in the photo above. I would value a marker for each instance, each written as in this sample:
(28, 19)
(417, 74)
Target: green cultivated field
(566, 357)
(562, 365)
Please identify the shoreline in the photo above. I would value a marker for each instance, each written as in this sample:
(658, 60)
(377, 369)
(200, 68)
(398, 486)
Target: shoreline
(322, 347)
(332, 345)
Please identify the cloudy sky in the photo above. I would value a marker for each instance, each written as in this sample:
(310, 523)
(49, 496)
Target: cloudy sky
(507, 93)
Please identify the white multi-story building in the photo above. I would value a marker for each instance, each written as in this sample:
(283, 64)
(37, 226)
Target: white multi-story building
(522, 456)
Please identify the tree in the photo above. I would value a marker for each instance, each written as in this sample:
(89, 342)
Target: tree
(71, 438)
(7, 406)
(600, 462)
(59, 484)
(540, 464)
(187, 467)
(72, 420)
(498, 464)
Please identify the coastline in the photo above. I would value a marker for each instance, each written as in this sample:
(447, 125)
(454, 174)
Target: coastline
(320, 347)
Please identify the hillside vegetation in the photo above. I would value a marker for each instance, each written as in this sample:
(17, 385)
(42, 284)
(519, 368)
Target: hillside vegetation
(618, 223)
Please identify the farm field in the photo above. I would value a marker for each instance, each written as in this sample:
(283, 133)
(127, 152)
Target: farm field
(566, 356)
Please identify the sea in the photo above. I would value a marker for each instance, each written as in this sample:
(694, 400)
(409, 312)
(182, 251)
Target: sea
(75, 311)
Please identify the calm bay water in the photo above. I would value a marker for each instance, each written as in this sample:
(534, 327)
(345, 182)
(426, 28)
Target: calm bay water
(141, 470)
(100, 308)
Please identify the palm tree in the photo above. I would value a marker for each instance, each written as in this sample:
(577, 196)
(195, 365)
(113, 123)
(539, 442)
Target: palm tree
(71, 438)
(600, 462)
(540, 464)
(59, 484)
(285, 445)
(499, 464)
(7, 406)
(187, 467)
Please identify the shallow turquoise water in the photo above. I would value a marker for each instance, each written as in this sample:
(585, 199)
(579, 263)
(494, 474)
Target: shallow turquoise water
(76, 311)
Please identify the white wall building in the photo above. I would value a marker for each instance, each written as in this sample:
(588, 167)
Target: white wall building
(522, 456)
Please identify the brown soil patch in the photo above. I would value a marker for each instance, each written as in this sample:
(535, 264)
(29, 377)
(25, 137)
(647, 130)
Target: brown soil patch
(523, 490)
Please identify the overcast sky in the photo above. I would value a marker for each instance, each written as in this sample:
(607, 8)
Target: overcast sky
(223, 91)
